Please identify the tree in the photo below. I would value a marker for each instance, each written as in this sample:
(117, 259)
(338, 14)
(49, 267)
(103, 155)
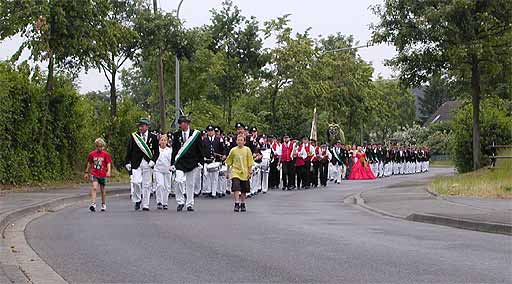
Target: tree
(467, 39)
(237, 38)
(116, 44)
(61, 32)
(436, 93)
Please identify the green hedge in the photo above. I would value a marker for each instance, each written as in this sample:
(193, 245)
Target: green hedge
(495, 126)
(47, 137)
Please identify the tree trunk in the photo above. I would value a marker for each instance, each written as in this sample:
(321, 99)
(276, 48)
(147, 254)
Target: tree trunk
(475, 98)
(49, 79)
(161, 92)
(229, 109)
(273, 106)
(113, 104)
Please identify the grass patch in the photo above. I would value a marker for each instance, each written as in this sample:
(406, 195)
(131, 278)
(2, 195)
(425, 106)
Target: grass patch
(442, 164)
(485, 183)
(77, 180)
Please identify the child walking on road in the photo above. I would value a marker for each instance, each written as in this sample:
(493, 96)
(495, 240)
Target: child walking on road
(162, 172)
(240, 163)
(99, 164)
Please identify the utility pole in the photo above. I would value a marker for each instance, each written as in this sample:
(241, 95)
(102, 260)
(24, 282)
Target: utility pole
(160, 68)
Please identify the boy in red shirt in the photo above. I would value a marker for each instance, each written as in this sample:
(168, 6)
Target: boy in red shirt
(99, 162)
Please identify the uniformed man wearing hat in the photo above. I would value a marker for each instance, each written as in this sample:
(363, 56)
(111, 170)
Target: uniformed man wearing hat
(188, 155)
(141, 155)
(214, 157)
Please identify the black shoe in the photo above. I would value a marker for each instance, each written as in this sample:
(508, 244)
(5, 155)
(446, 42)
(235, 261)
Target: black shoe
(137, 206)
(159, 206)
(196, 195)
(164, 207)
(223, 195)
(185, 195)
(237, 207)
(172, 195)
(306, 187)
(180, 207)
(213, 196)
(264, 192)
(292, 187)
(289, 188)
(219, 195)
(190, 209)
(242, 207)
(145, 209)
(284, 188)
(228, 192)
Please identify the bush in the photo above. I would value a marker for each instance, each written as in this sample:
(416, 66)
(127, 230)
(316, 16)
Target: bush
(495, 126)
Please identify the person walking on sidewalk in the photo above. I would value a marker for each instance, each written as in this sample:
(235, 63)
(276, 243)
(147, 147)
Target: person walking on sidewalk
(99, 165)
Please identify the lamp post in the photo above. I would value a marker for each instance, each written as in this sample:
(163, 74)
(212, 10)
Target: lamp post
(177, 99)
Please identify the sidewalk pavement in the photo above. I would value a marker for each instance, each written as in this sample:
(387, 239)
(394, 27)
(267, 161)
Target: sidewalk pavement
(16, 204)
(415, 203)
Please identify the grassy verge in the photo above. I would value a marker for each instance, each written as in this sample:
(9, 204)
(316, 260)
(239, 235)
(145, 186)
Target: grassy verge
(75, 181)
(485, 183)
(442, 164)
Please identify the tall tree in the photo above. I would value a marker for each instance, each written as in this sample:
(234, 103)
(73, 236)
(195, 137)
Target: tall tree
(466, 38)
(117, 43)
(60, 32)
(238, 39)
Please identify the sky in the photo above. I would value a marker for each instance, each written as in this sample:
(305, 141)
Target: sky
(324, 17)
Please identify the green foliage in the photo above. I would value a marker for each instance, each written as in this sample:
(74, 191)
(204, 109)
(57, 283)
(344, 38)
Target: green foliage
(434, 95)
(496, 126)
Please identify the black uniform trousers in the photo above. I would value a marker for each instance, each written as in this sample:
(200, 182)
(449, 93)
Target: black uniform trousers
(288, 174)
(273, 176)
(323, 168)
(314, 173)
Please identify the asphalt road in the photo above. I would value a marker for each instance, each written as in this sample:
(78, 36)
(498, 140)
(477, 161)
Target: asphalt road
(285, 237)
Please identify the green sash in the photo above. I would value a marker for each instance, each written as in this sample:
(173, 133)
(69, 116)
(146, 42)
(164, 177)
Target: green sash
(186, 146)
(142, 145)
(336, 155)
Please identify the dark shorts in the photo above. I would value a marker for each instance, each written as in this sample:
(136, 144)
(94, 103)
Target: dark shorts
(240, 185)
(101, 181)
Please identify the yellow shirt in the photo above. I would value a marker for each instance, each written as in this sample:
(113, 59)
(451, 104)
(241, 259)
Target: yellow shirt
(240, 161)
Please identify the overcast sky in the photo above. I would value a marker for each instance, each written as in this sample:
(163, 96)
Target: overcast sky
(350, 17)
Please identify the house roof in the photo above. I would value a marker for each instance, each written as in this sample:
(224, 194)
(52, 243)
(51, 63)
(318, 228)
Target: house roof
(444, 112)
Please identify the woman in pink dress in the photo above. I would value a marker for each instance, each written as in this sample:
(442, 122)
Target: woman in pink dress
(360, 169)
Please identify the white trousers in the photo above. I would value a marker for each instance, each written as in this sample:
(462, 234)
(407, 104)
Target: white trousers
(163, 187)
(336, 173)
(141, 184)
(374, 167)
(264, 180)
(401, 168)
(187, 184)
(256, 180)
(211, 182)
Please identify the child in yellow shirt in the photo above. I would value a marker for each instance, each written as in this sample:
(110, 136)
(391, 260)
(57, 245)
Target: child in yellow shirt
(240, 162)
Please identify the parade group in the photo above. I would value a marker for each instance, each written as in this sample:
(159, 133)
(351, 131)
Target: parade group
(189, 163)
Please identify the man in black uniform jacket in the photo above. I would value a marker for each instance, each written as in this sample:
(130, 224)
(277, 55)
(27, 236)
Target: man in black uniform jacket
(188, 155)
(141, 154)
(214, 153)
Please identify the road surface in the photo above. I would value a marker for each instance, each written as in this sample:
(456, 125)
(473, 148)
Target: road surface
(285, 237)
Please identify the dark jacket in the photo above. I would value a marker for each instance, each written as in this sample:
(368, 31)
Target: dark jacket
(214, 149)
(134, 154)
(193, 157)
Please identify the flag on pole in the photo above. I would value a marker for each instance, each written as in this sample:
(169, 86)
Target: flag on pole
(313, 126)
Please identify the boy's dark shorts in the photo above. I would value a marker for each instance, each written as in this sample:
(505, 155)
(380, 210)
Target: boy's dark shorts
(240, 185)
(101, 181)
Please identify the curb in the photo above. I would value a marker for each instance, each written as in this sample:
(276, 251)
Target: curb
(487, 227)
(12, 230)
(11, 216)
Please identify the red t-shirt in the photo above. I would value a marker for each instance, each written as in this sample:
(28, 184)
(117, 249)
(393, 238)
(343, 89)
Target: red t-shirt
(99, 161)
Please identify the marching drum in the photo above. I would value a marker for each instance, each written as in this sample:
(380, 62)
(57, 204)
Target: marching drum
(265, 161)
(213, 167)
(223, 170)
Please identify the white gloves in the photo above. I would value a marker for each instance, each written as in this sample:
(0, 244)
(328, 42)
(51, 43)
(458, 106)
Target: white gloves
(151, 164)
(173, 168)
(128, 167)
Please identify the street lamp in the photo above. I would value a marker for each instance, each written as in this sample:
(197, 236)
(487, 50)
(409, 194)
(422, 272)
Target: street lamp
(177, 99)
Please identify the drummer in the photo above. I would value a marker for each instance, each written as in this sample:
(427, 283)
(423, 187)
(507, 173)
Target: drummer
(256, 176)
(215, 156)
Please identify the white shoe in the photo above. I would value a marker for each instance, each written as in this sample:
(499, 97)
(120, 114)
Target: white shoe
(92, 207)
(103, 207)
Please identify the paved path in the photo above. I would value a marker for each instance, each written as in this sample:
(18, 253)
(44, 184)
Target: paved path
(286, 237)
